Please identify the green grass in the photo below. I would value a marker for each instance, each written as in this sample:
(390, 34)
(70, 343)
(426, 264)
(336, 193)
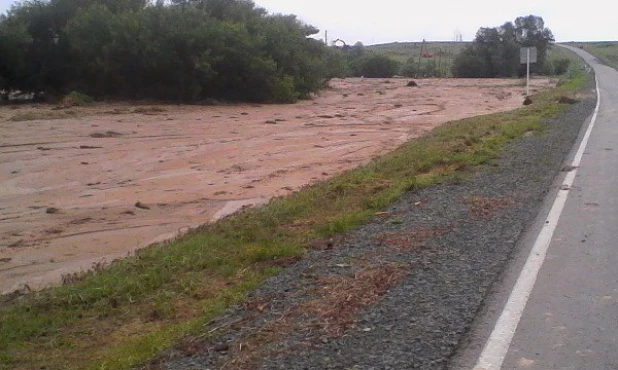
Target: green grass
(124, 316)
(606, 51)
(46, 115)
(444, 52)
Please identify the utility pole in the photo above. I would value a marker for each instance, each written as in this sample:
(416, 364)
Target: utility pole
(527, 72)
(528, 55)
(418, 70)
(440, 61)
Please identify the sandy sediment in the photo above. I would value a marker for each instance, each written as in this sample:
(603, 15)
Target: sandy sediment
(115, 178)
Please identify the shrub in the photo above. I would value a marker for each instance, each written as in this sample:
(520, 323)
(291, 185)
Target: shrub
(76, 99)
(410, 68)
(376, 66)
(175, 51)
(284, 91)
(561, 66)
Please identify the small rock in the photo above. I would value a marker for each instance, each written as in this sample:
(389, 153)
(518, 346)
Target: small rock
(90, 147)
(412, 84)
(52, 210)
(527, 101)
(221, 347)
(141, 205)
(566, 100)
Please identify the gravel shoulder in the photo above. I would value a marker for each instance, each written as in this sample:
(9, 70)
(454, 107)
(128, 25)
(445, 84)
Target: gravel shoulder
(402, 291)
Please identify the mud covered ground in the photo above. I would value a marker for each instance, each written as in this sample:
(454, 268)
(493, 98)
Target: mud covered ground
(107, 179)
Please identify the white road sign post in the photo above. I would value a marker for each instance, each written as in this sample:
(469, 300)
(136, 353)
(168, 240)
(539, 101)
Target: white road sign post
(526, 56)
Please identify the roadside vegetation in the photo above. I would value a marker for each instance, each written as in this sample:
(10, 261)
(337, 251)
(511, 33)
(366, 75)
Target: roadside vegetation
(186, 50)
(495, 51)
(607, 52)
(422, 59)
(219, 50)
(124, 315)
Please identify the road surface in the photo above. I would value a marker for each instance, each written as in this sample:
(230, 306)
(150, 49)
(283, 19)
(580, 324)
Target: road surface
(570, 320)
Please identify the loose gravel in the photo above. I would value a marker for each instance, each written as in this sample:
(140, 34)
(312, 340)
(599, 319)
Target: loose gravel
(416, 276)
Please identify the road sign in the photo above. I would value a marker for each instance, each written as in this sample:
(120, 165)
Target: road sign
(526, 56)
(523, 55)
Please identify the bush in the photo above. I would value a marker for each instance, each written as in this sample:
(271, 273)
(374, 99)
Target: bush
(183, 51)
(76, 99)
(376, 66)
(468, 65)
(284, 91)
(410, 69)
(561, 66)
(495, 51)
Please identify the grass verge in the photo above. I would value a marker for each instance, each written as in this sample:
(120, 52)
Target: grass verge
(45, 115)
(125, 315)
(607, 52)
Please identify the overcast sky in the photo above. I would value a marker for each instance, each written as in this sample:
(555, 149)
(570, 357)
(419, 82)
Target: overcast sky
(383, 21)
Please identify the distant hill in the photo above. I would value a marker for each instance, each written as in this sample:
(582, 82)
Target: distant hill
(606, 51)
(442, 53)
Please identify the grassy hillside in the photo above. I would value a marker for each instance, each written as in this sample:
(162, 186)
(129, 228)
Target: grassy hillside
(606, 51)
(443, 52)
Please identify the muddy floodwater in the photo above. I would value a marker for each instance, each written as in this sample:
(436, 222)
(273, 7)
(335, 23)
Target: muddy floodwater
(116, 177)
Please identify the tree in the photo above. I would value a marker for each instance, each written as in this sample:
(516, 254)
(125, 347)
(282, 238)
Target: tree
(531, 31)
(376, 66)
(183, 50)
(495, 51)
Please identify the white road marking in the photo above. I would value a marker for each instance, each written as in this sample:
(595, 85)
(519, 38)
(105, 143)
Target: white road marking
(499, 341)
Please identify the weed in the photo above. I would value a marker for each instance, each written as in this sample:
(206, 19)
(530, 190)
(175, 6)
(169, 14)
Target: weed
(76, 99)
(33, 116)
(607, 52)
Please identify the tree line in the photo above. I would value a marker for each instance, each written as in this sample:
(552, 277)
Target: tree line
(199, 50)
(179, 50)
(495, 51)
(186, 50)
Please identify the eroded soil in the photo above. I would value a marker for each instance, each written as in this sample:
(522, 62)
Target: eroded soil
(115, 178)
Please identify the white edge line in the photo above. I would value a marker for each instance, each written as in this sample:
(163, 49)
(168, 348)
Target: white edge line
(499, 341)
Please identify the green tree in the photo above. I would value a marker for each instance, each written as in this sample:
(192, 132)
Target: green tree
(531, 31)
(188, 50)
(495, 51)
(376, 66)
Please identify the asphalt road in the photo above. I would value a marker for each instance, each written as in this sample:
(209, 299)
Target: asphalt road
(571, 317)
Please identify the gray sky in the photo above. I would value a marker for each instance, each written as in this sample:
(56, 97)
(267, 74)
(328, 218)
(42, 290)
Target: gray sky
(382, 21)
